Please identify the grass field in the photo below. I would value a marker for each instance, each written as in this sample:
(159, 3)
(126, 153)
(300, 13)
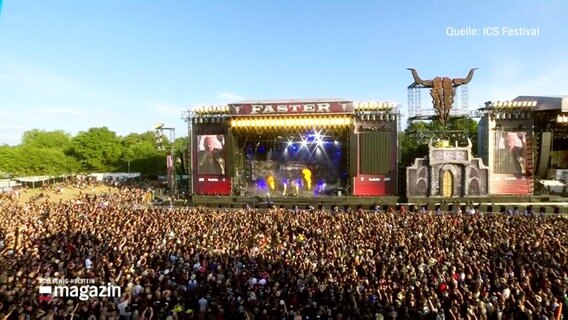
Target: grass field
(66, 194)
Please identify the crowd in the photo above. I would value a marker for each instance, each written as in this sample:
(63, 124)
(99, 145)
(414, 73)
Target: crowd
(198, 263)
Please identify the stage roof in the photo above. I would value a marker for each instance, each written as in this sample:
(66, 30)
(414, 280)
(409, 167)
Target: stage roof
(547, 103)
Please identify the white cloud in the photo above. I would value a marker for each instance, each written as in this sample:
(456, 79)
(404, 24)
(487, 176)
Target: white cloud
(162, 108)
(169, 110)
(510, 78)
(67, 111)
(27, 84)
(9, 125)
(230, 97)
(198, 105)
(39, 80)
(11, 137)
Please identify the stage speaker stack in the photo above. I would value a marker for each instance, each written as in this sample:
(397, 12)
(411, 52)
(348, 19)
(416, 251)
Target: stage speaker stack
(230, 155)
(546, 141)
(353, 155)
(375, 153)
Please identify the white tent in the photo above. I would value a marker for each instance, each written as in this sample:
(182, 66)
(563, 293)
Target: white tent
(554, 185)
(115, 175)
(34, 181)
(6, 185)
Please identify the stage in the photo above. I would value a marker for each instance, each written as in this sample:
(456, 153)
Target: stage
(496, 204)
(314, 146)
(290, 201)
(340, 153)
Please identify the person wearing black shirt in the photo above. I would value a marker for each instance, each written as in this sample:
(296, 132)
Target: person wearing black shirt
(512, 157)
(211, 159)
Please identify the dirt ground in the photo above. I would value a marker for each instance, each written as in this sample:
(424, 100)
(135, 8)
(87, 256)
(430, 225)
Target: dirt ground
(66, 194)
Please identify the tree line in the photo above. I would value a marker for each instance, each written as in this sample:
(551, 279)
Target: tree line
(95, 150)
(413, 141)
(102, 150)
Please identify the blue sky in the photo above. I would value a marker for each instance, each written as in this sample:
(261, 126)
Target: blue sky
(128, 64)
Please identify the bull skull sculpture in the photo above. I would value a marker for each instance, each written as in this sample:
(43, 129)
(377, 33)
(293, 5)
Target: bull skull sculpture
(443, 91)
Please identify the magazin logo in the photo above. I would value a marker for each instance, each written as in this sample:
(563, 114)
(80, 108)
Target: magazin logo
(82, 291)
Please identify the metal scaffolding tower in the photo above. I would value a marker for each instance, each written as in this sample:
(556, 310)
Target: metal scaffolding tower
(414, 101)
(464, 99)
(188, 116)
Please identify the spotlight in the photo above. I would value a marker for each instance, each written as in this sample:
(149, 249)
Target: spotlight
(317, 136)
(289, 143)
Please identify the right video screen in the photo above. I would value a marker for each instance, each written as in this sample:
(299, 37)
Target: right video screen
(511, 153)
(512, 169)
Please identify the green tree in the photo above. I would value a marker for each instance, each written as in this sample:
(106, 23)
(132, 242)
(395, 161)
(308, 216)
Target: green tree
(181, 151)
(143, 157)
(470, 126)
(137, 146)
(57, 139)
(141, 154)
(413, 141)
(133, 138)
(9, 162)
(97, 149)
(152, 165)
(31, 160)
(139, 150)
(45, 161)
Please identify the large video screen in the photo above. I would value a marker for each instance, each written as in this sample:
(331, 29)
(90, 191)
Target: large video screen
(211, 155)
(512, 173)
(511, 153)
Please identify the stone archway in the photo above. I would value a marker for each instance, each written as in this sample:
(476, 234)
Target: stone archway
(474, 188)
(448, 181)
(447, 185)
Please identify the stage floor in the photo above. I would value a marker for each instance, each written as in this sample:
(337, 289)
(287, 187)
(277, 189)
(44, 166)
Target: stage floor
(290, 201)
(485, 204)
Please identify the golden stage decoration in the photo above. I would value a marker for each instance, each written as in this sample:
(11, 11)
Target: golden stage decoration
(308, 177)
(208, 110)
(373, 106)
(291, 122)
(271, 182)
(444, 143)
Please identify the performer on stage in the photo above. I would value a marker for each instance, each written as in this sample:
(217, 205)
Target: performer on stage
(296, 185)
(284, 187)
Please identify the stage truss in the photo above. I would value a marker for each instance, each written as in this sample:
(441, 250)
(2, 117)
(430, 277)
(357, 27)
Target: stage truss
(416, 111)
